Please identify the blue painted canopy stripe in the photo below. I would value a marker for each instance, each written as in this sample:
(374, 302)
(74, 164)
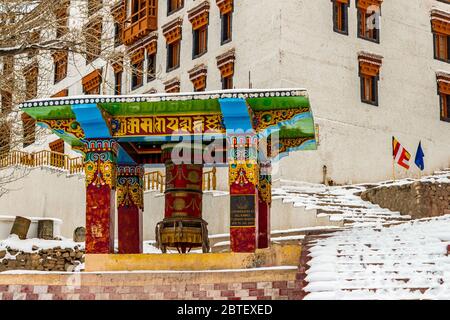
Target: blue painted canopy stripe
(235, 114)
(124, 158)
(91, 120)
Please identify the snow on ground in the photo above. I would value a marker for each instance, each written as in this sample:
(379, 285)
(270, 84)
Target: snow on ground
(13, 242)
(406, 261)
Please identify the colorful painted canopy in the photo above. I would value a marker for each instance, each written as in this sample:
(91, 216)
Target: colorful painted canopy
(141, 123)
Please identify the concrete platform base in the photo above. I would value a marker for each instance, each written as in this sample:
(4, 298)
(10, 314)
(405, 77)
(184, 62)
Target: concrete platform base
(277, 255)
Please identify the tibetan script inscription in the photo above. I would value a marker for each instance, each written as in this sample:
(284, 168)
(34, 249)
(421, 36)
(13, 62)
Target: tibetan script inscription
(243, 211)
(166, 125)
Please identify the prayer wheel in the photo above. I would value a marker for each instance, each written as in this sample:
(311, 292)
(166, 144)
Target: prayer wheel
(20, 227)
(183, 227)
(45, 229)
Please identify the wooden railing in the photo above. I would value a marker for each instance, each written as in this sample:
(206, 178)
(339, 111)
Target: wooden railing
(154, 180)
(41, 159)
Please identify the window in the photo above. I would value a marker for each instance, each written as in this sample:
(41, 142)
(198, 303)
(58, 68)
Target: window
(28, 129)
(118, 83)
(369, 20)
(93, 37)
(369, 69)
(226, 27)
(34, 38)
(5, 138)
(117, 34)
(340, 16)
(137, 74)
(172, 33)
(200, 41)
(369, 89)
(441, 47)
(445, 107)
(227, 82)
(440, 25)
(31, 82)
(443, 81)
(60, 65)
(174, 5)
(62, 19)
(199, 18)
(6, 100)
(173, 56)
(151, 67)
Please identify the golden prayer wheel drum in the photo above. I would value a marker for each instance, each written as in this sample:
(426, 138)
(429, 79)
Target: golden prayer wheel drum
(183, 227)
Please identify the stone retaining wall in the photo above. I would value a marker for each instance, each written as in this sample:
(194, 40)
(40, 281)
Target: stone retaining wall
(419, 199)
(55, 259)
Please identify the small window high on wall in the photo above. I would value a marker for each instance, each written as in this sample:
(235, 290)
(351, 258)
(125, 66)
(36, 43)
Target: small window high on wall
(369, 14)
(137, 68)
(28, 129)
(118, 72)
(31, 81)
(440, 24)
(369, 70)
(199, 18)
(340, 16)
(172, 33)
(443, 83)
(226, 15)
(60, 59)
(151, 49)
(174, 5)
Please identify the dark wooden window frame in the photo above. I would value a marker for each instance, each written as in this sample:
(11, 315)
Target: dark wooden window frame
(171, 10)
(197, 49)
(373, 89)
(344, 11)
(361, 32)
(170, 55)
(226, 28)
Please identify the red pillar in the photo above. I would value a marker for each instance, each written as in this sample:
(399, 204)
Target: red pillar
(130, 205)
(264, 203)
(243, 179)
(100, 170)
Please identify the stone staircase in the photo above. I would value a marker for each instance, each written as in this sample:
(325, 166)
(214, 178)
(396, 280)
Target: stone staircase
(407, 261)
(339, 204)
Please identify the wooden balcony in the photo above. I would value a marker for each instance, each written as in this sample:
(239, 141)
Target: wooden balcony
(141, 23)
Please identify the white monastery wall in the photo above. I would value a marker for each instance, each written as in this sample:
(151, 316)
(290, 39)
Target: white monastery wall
(355, 138)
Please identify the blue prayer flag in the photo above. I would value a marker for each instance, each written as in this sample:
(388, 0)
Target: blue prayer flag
(419, 157)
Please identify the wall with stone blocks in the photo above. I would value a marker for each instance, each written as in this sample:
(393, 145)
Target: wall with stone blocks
(276, 284)
(418, 199)
(56, 259)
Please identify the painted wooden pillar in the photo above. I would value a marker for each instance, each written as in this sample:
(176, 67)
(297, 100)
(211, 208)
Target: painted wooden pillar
(264, 204)
(130, 205)
(100, 170)
(243, 180)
